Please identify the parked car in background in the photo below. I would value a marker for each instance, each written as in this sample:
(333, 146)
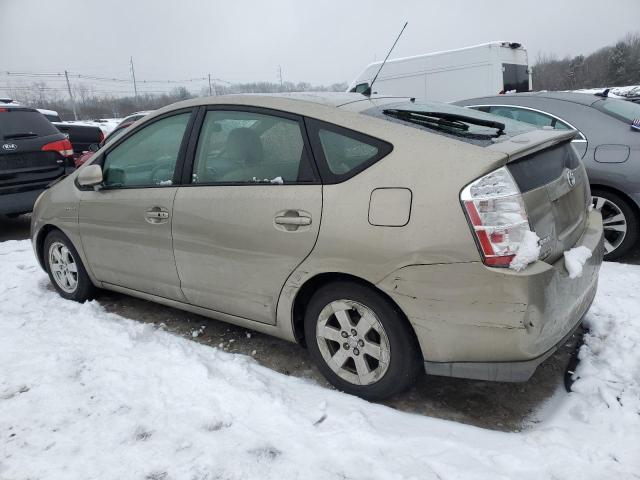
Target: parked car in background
(135, 116)
(607, 143)
(125, 123)
(81, 136)
(378, 232)
(487, 69)
(33, 153)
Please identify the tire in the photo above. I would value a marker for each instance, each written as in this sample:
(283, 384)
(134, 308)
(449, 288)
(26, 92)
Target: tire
(349, 361)
(617, 243)
(65, 269)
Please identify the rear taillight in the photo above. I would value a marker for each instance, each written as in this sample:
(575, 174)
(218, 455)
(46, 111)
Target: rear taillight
(100, 137)
(63, 147)
(496, 215)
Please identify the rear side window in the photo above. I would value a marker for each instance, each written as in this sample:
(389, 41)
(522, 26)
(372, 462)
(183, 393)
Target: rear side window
(247, 147)
(515, 77)
(22, 123)
(345, 152)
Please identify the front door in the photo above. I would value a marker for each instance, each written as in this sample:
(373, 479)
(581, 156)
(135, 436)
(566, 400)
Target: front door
(250, 215)
(125, 227)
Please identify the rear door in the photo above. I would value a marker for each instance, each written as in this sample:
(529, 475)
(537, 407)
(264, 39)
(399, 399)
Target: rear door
(250, 212)
(126, 226)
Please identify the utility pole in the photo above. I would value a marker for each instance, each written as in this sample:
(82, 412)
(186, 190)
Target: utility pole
(73, 101)
(210, 85)
(133, 74)
(280, 74)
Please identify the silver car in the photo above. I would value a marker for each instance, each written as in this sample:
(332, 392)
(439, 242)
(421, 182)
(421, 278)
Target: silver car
(378, 232)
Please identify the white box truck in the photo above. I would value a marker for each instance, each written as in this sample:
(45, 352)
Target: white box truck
(476, 71)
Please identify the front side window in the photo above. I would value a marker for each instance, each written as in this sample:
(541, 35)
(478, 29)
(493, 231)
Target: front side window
(149, 156)
(250, 147)
(360, 88)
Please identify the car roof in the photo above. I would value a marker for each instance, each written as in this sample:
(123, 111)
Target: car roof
(581, 98)
(295, 101)
(47, 112)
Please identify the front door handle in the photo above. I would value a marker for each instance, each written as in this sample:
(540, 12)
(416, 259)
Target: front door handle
(156, 215)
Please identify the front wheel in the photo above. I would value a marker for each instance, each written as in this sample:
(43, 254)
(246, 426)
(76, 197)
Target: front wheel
(360, 342)
(619, 221)
(65, 269)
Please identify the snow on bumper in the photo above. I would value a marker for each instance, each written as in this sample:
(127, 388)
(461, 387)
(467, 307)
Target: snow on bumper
(468, 313)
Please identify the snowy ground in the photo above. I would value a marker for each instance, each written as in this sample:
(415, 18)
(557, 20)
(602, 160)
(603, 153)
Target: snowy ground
(88, 394)
(614, 92)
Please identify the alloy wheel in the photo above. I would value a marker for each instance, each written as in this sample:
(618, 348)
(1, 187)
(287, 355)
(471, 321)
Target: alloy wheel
(63, 267)
(353, 342)
(613, 221)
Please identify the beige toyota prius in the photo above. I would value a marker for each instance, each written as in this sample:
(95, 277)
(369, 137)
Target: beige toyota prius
(379, 232)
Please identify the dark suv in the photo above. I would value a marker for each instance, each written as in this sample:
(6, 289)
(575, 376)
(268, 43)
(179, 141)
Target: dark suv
(33, 153)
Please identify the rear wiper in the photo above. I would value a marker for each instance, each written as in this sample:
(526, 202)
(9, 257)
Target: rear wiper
(20, 135)
(441, 120)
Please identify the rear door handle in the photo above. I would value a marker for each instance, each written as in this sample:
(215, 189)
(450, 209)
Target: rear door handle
(292, 220)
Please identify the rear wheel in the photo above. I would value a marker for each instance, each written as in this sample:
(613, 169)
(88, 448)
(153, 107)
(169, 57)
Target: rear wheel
(360, 342)
(620, 223)
(65, 269)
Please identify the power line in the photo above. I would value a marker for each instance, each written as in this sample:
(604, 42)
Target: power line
(61, 76)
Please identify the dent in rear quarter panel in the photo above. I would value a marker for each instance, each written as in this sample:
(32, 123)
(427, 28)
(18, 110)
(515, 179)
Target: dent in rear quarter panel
(471, 313)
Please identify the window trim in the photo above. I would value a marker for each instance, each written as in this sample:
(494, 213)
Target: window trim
(189, 164)
(580, 139)
(177, 171)
(328, 177)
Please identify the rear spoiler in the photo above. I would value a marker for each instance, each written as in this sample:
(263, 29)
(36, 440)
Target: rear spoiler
(532, 142)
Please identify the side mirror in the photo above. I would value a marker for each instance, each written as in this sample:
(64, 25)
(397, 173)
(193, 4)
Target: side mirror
(90, 176)
(94, 147)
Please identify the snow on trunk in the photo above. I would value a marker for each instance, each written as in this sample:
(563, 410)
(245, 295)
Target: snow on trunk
(528, 251)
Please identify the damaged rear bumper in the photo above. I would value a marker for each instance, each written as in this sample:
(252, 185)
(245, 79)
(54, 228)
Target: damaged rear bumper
(478, 322)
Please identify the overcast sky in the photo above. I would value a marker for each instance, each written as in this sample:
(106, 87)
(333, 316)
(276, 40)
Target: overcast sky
(320, 42)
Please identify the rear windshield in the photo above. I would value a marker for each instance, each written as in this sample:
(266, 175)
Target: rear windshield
(52, 118)
(512, 127)
(22, 123)
(620, 109)
(515, 77)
